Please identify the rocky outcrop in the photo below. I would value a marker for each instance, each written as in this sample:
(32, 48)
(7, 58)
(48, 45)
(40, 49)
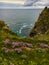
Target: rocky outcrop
(5, 29)
(42, 24)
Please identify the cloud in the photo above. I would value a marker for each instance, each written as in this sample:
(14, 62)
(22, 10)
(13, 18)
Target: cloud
(36, 3)
(41, 3)
(27, 3)
(13, 1)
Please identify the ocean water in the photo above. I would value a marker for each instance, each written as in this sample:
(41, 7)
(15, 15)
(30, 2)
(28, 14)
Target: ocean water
(20, 21)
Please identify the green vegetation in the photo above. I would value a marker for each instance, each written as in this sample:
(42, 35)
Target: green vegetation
(5, 31)
(15, 50)
(42, 24)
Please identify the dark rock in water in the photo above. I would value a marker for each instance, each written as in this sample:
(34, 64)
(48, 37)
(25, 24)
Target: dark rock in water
(33, 33)
(42, 24)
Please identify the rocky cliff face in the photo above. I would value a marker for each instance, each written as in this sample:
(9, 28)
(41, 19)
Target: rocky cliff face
(42, 24)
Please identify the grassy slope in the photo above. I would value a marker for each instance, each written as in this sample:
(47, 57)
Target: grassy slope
(34, 56)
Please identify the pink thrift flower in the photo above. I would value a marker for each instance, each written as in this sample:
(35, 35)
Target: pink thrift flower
(29, 45)
(43, 45)
(14, 44)
(19, 50)
(7, 41)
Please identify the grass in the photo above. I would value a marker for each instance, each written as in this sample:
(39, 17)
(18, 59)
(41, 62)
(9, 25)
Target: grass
(35, 56)
(29, 56)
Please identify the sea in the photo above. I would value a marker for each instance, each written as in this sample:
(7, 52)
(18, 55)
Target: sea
(20, 21)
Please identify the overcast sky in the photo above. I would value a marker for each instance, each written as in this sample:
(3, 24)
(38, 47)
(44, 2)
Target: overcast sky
(28, 3)
(13, 1)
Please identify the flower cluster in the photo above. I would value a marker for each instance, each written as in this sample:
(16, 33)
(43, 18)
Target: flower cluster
(6, 50)
(7, 41)
(19, 50)
(16, 46)
(43, 45)
(27, 45)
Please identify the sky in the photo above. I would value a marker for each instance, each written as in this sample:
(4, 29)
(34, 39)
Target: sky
(28, 3)
(13, 1)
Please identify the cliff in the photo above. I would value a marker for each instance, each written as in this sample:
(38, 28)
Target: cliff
(42, 24)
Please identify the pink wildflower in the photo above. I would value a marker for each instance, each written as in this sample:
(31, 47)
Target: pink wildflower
(7, 41)
(29, 45)
(43, 45)
(19, 50)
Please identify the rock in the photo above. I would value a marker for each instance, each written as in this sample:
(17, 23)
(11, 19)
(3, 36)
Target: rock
(42, 24)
